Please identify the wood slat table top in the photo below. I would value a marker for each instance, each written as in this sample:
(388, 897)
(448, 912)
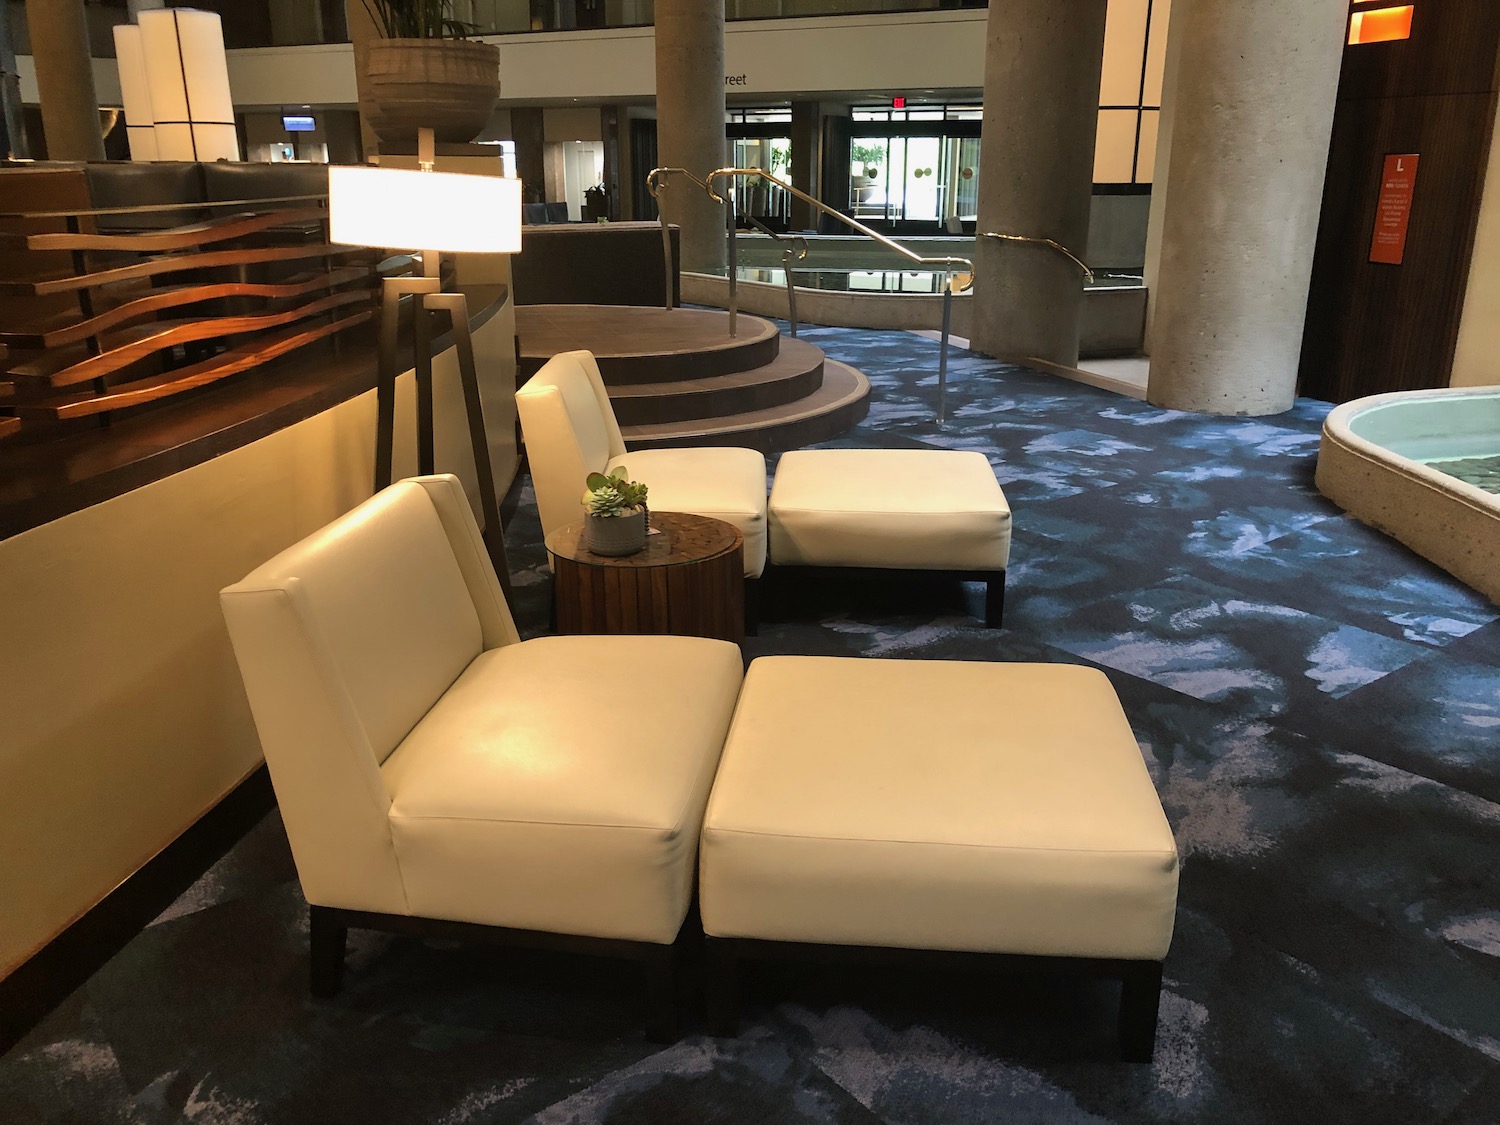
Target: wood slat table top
(676, 538)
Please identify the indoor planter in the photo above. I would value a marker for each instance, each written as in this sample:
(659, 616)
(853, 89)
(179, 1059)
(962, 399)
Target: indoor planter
(424, 73)
(614, 521)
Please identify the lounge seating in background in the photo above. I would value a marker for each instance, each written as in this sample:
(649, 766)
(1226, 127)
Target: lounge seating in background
(437, 775)
(570, 431)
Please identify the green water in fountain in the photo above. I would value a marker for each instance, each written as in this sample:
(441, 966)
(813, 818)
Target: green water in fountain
(1483, 472)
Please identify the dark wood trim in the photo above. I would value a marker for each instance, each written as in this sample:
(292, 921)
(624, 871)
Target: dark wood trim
(221, 366)
(51, 974)
(1373, 327)
(1140, 995)
(329, 927)
(175, 297)
(173, 238)
(161, 338)
(161, 267)
(43, 482)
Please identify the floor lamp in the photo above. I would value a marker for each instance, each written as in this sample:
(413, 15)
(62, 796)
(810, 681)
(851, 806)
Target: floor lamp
(431, 212)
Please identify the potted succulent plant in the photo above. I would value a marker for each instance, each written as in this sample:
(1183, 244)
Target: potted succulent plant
(426, 72)
(614, 521)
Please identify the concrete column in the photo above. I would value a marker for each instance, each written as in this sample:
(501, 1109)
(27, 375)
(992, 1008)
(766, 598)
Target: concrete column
(690, 122)
(65, 79)
(1041, 110)
(807, 162)
(1254, 97)
(1163, 165)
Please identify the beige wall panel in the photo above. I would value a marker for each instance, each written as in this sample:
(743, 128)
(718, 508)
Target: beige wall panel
(1477, 361)
(124, 716)
(322, 74)
(106, 80)
(566, 124)
(1156, 51)
(1145, 169)
(1124, 51)
(1114, 148)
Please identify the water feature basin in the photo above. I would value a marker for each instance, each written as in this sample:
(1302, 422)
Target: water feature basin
(1398, 462)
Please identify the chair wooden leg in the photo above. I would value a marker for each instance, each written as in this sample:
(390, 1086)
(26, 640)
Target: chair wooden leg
(1140, 998)
(329, 937)
(994, 600)
(722, 986)
(663, 980)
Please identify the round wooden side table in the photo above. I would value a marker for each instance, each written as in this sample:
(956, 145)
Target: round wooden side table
(688, 580)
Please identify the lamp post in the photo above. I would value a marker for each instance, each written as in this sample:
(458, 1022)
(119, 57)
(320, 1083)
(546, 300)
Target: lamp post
(430, 212)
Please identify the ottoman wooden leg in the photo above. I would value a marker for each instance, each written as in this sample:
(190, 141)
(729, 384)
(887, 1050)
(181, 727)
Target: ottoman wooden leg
(1139, 1000)
(663, 978)
(329, 937)
(722, 986)
(994, 600)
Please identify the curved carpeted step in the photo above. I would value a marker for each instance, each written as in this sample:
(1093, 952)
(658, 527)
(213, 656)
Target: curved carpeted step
(838, 405)
(794, 374)
(635, 344)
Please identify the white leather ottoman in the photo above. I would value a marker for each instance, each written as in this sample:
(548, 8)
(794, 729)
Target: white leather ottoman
(893, 509)
(975, 808)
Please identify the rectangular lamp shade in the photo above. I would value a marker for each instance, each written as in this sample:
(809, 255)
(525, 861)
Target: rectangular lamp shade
(189, 79)
(406, 210)
(135, 92)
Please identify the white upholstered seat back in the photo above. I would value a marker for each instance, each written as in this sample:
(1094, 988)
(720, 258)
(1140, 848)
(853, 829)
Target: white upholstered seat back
(344, 642)
(570, 431)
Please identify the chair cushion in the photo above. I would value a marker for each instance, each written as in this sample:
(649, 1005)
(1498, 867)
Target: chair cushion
(725, 483)
(394, 617)
(560, 785)
(937, 805)
(909, 509)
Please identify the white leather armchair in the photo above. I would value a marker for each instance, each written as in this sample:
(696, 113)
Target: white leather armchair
(571, 431)
(437, 774)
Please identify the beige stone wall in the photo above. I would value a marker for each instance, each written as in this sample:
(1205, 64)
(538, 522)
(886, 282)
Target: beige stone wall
(123, 716)
(1477, 361)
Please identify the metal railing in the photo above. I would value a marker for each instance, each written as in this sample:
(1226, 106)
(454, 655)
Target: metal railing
(1049, 243)
(796, 246)
(953, 281)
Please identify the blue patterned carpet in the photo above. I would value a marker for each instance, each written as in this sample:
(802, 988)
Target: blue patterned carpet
(1320, 710)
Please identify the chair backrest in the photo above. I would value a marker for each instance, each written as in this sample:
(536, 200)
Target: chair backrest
(344, 641)
(570, 432)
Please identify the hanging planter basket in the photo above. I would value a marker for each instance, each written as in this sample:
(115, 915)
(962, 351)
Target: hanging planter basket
(447, 85)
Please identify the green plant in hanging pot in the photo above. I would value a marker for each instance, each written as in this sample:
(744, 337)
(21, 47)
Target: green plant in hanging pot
(425, 72)
(615, 515)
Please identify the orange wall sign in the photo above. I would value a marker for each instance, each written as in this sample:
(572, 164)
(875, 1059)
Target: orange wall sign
(1398, 183)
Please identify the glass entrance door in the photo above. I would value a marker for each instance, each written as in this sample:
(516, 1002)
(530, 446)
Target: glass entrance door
(928, 180)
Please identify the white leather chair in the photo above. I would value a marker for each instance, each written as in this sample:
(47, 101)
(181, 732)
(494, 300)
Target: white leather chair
(571, 431)
(438, 775)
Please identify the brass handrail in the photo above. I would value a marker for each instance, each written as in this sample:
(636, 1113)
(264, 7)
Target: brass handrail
(657, 181)
(1058, 246)
(947, 262)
